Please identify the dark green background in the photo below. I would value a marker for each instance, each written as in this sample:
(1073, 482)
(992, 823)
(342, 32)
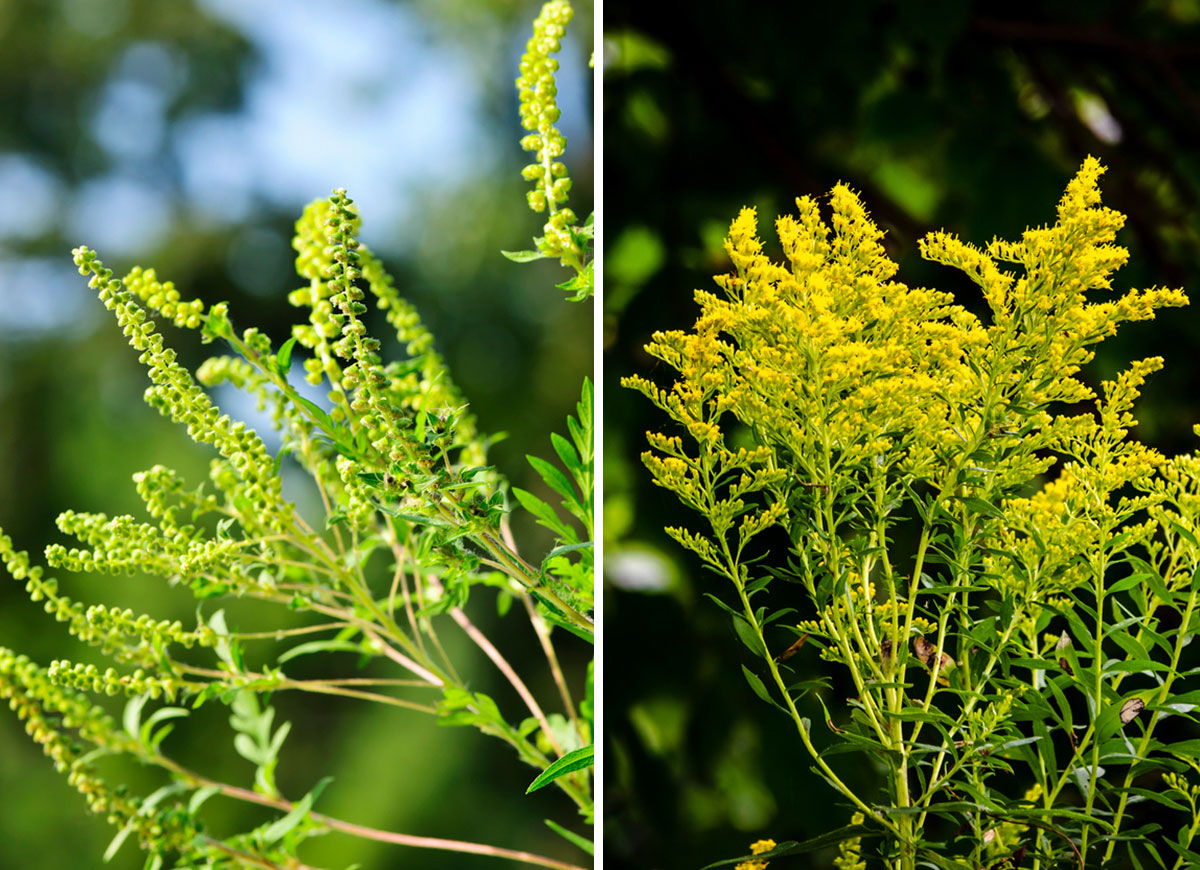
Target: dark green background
(73, 428)
(964, 116)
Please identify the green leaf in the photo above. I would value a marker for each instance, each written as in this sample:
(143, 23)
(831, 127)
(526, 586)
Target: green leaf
(1158, 797)
(542, 511)
(1185, 748)
(216, 324)
(1135, 666)
(721, 604)
(554, 478)
(148, 737)
(283, 360)
(152, 800)
(284, 451)
(567, 548)
(279, 828)
(1127, 583)
(318, 414)
(133, 714)
(524, 256)
(115, 844)
(749, 636)
(757, 685)
(979, 506)
(1184, 532)
(407, 517)
(576, 759)
(582, 284)
(567, 454)
(201, 796)
(571, 837)
(554, 619)
(319, 646)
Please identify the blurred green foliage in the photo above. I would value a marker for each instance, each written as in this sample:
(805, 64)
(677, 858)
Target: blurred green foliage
(73, 428)
(943, 114)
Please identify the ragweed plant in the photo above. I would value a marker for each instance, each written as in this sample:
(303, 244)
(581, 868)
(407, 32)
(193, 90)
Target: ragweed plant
(562, 237)
(413, 518)
(1009, 644)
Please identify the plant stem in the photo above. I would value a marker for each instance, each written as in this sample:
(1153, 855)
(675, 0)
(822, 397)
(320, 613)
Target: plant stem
(543, 635)
(198, 781)
(513, 678)
(1163, 693)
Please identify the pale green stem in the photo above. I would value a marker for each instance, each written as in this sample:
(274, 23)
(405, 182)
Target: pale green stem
(543, 635)
(1144, 744)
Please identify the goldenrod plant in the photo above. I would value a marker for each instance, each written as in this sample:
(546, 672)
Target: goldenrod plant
(413, 518)
(941, 562)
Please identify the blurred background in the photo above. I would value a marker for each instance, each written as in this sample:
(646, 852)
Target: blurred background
(970, 116)
(188, 136)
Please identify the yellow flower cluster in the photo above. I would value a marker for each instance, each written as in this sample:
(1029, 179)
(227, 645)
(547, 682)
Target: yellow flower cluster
(757, 848)
(855, 389)
(850, 851)
(1007, 835)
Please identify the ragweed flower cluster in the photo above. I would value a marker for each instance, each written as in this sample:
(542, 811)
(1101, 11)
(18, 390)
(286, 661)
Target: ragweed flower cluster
(46, 709)
(398, 462)
(537, 90)
(902, 445)
(174, 392)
